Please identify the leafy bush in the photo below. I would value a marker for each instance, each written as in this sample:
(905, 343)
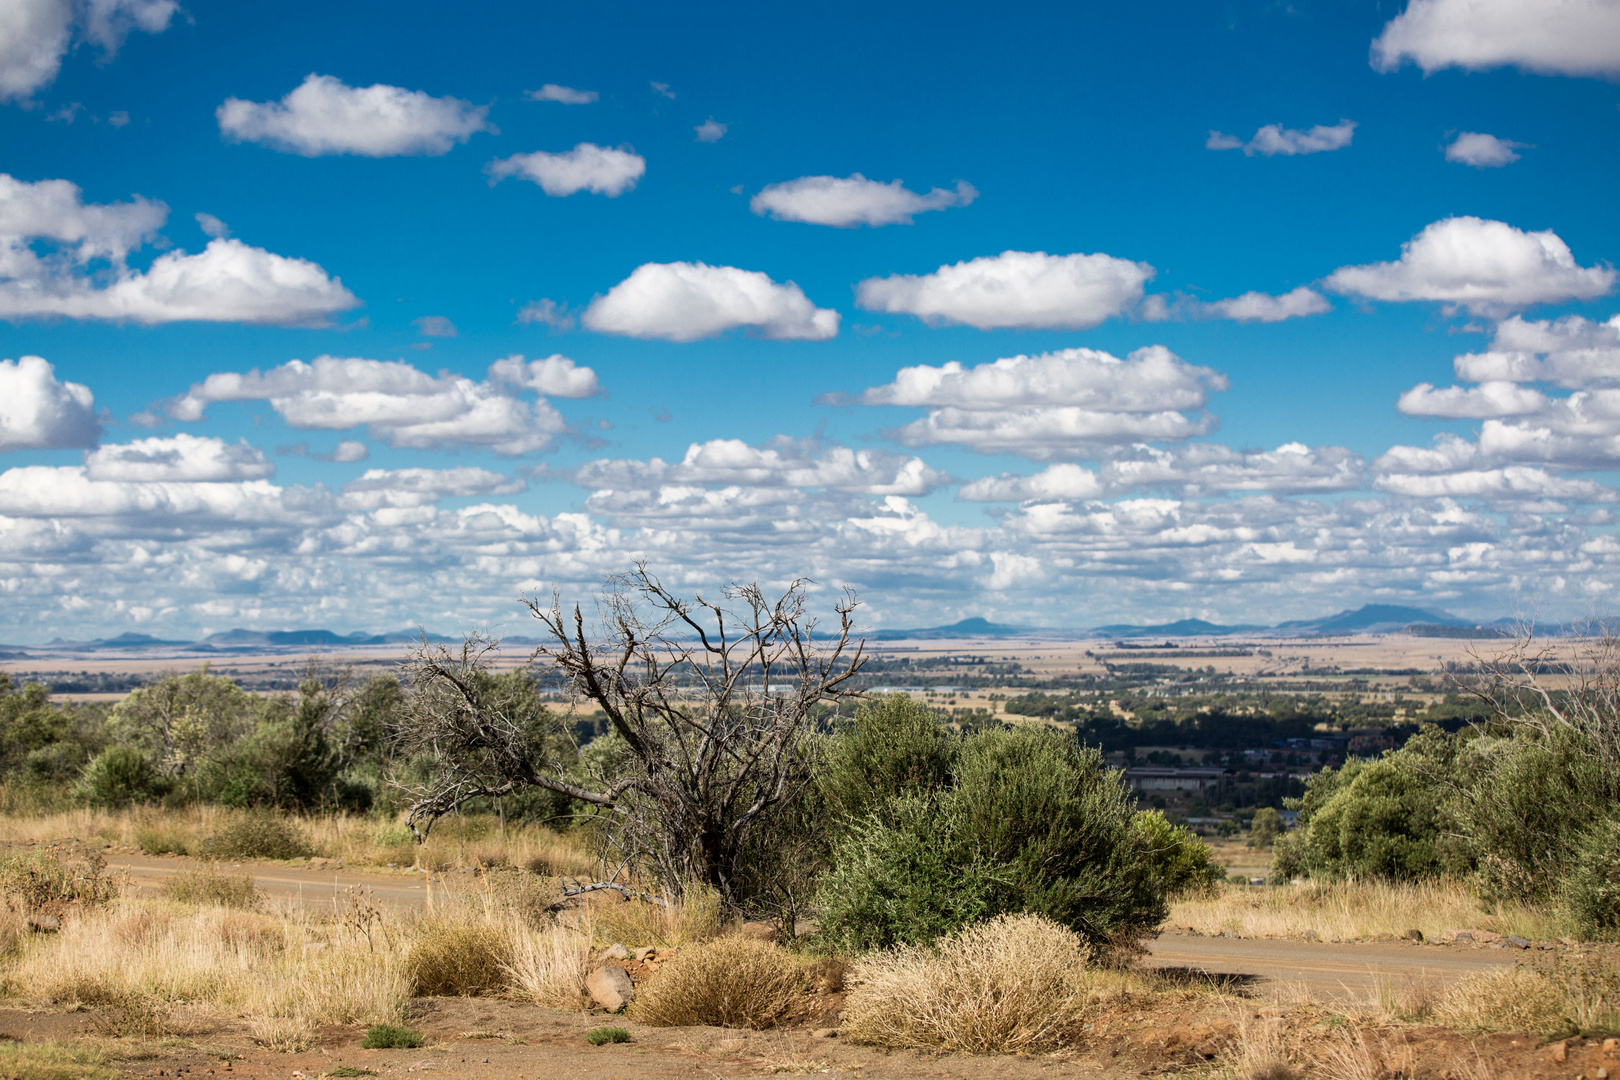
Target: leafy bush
(728, 982)
(1592, 890)
(120, 776)
(604, 1035)
(1015, 984)
(1179, 860)
(210, 887)
(391, 1037)
(260, 834)
(893, 746)
(1029, 823)
(1265, 828)
(1375, 819)
(458, 959)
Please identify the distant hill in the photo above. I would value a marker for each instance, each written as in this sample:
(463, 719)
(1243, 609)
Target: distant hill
(1372, 619)
(1180, 628)
(974, 627)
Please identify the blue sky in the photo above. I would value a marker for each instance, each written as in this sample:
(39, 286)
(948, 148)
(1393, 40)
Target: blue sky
(1204, 272)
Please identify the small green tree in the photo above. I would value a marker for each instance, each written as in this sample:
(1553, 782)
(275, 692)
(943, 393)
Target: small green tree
(1265, 828)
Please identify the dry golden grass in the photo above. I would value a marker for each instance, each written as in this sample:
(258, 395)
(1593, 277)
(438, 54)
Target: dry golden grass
(474, 840)
(548, 967)
(694, 917)
(1350, 910)
(1018, 983)
(459, 957)
(1260, 1051)
(729, 982)
(210, 886)
(53, 1061)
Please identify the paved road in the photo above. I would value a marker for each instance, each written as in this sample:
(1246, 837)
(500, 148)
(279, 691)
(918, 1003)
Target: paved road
(1349, 972)
(1327, 972)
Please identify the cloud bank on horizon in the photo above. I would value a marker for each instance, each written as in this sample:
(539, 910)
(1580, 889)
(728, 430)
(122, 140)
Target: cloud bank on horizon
(368, 331)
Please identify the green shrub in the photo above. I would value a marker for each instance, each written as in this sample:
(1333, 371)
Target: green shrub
(391, 1037)
(1591, 891)
(603, 1035)
(259, 834)
(1265, 828)
(1030, 823)
(1179, 860)
(1387, 818)
(120, 776)
(893, 746)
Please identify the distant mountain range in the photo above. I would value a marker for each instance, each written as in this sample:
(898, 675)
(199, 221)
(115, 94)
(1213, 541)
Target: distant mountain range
(1368, 619)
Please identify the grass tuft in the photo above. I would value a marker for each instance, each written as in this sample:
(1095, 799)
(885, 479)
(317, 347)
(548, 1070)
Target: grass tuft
(52, 1061)
(260, 834)
(603, 1035)
(457, 957)
(391, 1037)
(1015, 984)
(209, 886)
(729, 982)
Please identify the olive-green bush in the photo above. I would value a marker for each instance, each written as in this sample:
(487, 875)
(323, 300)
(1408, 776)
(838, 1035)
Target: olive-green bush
(1024, 821)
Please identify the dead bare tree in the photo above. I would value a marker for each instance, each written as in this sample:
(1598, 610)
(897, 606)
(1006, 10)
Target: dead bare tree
(1571, 686)
(476, 736)
(713, 701)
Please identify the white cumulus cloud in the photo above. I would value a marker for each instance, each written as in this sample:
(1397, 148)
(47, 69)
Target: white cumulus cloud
(36, 34)
(1197, 469)
(397, 403)
(1251, 307)
(684, 301)
(409, 488)
(1016, 289)
(601, 170)
(87, 275)
(1274, 139)
(562, 95)
(181, 458)
(1482, 151)
(711, 130)
(554, 376)
(1054, 405)
(1487, 267)
(37, 412)
(853, 200)
(1551, 37)
(783, 463)
(323, 116)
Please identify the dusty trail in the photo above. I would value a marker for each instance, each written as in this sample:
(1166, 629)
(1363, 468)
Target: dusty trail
(1327, 972)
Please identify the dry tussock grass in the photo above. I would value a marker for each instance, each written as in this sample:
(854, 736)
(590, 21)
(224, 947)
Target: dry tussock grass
(729, 982)
(210, 886)
(53, 1061)
(1346, 910)
(693, 917)
(549, 966)
(1018, 983)
(1260, 1051)
(474, 840)
(459, 957)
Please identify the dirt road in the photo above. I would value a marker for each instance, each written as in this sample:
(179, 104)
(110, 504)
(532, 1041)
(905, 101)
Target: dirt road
(1327, 972)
